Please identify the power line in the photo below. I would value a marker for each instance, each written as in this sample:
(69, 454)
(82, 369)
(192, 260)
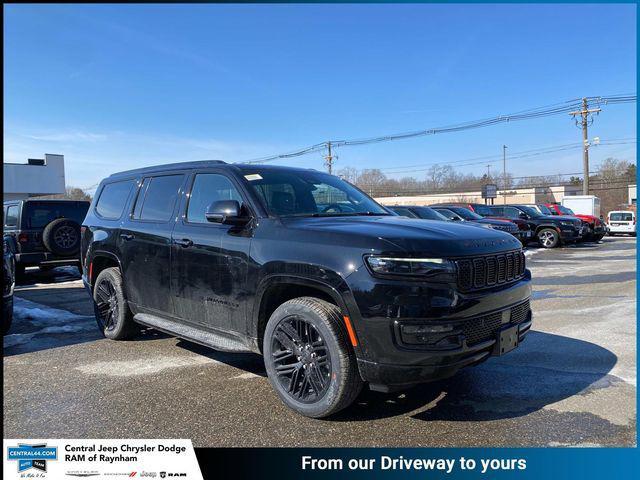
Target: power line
(536, 112)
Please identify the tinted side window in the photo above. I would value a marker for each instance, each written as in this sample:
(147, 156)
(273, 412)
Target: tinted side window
(159, 198)
(511, 212)
(483, 210)
(405, 212)
(113, 199)
(11, 219)
(208, 188)
(496, 211)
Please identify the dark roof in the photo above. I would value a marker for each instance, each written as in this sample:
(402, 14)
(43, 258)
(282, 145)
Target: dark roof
(200, 164)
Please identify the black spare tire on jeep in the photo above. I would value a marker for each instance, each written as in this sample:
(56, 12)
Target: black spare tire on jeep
(62, 237)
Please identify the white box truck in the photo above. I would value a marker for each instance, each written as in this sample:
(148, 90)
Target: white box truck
(583, 204)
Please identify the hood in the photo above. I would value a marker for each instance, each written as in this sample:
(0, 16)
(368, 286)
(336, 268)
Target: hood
(407, 235)
(588, 218)
(566, 218)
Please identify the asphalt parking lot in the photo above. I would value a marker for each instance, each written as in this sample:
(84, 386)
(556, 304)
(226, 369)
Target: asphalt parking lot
(571, 382)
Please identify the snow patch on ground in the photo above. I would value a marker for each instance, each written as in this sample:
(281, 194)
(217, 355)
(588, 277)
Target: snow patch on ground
(44, 320)
(142, 366)
(529, 252)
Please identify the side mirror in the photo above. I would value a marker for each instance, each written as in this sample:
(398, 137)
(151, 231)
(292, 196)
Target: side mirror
(523, 216)
(225, 211)
(456, 219)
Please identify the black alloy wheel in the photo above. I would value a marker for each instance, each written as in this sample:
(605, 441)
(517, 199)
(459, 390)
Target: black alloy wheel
(309, 358)
(113, 316)
(107, 305)
(301, 359)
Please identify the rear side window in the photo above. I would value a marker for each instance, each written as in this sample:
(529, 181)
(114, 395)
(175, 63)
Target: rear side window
(113, 199)
(511, 212)
(483, 210)
(11, 218)
(208, 188)
(39, 214)
(157, 198)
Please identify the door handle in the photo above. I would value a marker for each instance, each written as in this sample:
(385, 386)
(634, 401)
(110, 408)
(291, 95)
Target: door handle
(126, 236)
(185, 242)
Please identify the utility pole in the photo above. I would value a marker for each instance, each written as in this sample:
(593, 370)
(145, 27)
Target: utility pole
(328, 160)
(584, 123)
(504, 174)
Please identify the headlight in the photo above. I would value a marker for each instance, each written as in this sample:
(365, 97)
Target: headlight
(409, 266)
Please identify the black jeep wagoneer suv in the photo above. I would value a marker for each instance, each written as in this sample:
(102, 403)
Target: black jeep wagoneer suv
(330, 287)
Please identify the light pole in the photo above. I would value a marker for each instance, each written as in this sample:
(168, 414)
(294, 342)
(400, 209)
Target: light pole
(504, 174)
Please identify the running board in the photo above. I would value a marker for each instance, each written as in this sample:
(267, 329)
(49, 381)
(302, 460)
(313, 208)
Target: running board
(217, 341)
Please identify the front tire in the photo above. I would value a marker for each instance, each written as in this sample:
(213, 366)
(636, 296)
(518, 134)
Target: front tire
(113, 316)
(308, 358)
(548, 238)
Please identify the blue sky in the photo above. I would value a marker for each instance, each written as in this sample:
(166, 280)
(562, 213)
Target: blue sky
(114, 87)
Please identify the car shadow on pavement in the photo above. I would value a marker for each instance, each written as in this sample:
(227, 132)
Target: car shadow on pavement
(546, 369)
(55, 275)
(251, 362)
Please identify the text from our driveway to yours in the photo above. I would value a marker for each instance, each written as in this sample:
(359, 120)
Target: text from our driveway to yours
(384, 462)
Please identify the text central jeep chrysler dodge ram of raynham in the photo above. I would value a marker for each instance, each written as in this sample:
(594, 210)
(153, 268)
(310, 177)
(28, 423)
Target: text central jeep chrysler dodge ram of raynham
(331, 288)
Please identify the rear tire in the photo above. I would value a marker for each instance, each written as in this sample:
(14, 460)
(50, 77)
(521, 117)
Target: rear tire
(548, 238)
(62, 237)
(309, 360)
(113, 316)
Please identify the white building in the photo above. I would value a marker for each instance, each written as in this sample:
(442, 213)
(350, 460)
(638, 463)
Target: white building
(35, 178)
(632, 195)
(553, 194)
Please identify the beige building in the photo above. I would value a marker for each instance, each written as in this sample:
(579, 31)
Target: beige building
(518, 195)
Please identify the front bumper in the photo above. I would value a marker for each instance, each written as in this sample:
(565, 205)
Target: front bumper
(388, 362)
(524, 235)
(569, 234)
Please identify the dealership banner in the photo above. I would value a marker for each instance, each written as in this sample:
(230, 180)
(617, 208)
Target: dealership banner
(95, 458)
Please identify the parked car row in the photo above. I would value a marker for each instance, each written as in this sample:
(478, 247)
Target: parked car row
(549, 225)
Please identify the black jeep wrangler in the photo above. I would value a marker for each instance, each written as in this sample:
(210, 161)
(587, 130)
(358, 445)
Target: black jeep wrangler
(44, 233)
(334, 290)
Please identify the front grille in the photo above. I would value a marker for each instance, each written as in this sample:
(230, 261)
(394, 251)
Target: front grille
(506, 228)
(485, 328)
(482, 272)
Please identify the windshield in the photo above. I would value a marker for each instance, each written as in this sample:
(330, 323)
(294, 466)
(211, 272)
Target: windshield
(465, 213)
(289, 193)
(532, 212)
(545, 210)
(621, 216)
(565, 210)
(429, 214)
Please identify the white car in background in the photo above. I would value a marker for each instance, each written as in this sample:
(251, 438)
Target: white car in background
(622, 222)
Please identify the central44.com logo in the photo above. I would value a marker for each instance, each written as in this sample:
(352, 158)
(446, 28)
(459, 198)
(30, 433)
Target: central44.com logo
(32, 456)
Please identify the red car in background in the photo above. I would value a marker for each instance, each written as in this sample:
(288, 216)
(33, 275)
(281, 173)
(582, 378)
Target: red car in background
(526, 234)
(597, 229)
